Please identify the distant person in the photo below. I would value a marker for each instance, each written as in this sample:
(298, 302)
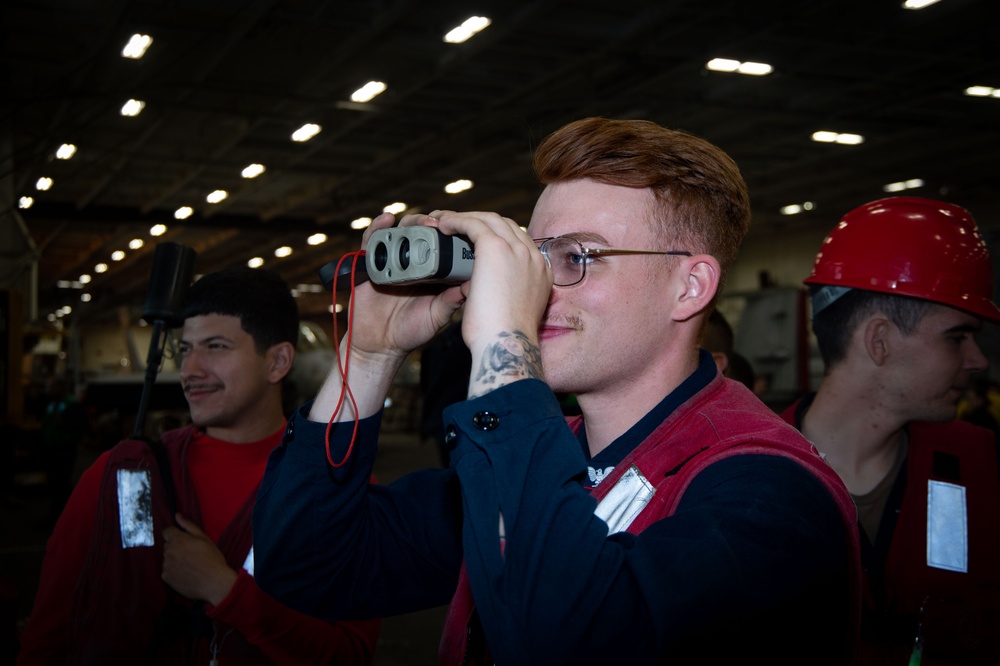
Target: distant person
(445, 364)
(899, 290)
(977, 405)
(718, 339)
(131, 577)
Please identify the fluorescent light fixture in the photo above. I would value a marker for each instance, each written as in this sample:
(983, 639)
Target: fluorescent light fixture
(85, 298)
(316, 239)
(65, 151)
(64, 284)
(101, 268)
(117, 255)
(184, 212)
(899, 186)
(66, 310)
(158, 230)
(918, 4)
(845, 138)
(25, 202)
(795, 209)
(361, 223)
(458, 186)
(133, 107)
(982, 91)
(135, 243)
(368, 91)
(217, 196)
(85, 279)
(306, 132)
(395, 208)
(252, 171)
(136, 47)
(469, 27)
(283, 251)
(729, 65)
(44, 183)
(256, 262)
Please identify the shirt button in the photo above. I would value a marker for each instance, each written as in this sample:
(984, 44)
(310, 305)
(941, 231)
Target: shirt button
(290, 430)
(450, 434)
(486, 421)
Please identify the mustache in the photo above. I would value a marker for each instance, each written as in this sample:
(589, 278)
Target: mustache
(565, 321)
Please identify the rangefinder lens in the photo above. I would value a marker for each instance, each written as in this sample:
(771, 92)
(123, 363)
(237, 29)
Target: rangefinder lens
(404, 253)
(381, 256)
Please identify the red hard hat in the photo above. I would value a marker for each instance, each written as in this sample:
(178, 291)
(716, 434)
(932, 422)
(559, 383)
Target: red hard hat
(912, 247)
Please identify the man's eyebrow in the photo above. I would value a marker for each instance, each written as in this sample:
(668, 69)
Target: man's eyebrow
(209, 339)
(965, 328)
(587, 237)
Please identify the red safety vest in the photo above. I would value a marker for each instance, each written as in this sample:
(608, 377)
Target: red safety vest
(959, 611)
(121, 607)
(724, 419)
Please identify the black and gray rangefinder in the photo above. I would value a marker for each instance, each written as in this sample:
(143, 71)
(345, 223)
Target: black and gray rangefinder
(417, 254)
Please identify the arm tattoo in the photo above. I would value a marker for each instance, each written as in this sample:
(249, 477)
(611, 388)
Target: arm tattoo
(513, 356)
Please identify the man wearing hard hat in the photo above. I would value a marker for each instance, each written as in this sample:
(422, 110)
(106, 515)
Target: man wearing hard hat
(899, 289)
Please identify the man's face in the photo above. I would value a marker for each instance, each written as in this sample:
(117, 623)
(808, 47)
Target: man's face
(934, 364)
(605, 330)
(225, 380)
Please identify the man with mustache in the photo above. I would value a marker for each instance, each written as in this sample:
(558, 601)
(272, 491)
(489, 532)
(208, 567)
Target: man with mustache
(677, 520)
(147, 565)
(899, 289)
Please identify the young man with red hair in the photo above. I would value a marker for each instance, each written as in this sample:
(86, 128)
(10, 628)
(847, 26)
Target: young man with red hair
(677, 519)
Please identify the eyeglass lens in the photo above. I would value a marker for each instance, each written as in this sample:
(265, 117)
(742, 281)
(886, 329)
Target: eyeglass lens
(567, 259)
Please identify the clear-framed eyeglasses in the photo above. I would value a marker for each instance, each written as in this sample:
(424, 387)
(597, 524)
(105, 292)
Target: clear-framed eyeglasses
(568, 258)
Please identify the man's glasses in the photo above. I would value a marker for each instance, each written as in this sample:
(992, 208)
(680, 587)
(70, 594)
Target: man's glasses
(568, 258)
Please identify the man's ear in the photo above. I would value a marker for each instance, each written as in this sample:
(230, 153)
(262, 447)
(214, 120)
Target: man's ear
(280, 359)
(875, 338)
(700, 275)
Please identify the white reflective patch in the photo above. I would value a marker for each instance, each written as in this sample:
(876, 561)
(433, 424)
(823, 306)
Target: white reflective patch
(248, 563)
(625, 500)
(135, 507)
(947, 527)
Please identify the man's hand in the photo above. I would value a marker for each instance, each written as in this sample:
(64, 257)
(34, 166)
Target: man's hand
(193, 565)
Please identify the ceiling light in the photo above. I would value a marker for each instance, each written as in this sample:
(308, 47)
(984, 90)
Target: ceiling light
(158, 230)
(361, 223)
(316, 239)
(458, 186)
(135, 243)
(795, 209)
(335, 308)
(85, 279)
(252, 171)
(133, 107)
(918, 4)
(368, 91)
(306, 132)
(469, 27)
(283, 251)
(256, 262)
(66, 309)
(65, 151)
(395, 208)
(982, 91)
(838, 137)
(44, 183)
(85, 298)
(117, 255)
(136, 47)
(101, 268)
(64, 284)
(729, 65)
(217, 196)
(184, 212)
(903, 185)
(25, 202)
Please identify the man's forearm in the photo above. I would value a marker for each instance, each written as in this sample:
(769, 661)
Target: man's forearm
(510, 357)
(369, 377)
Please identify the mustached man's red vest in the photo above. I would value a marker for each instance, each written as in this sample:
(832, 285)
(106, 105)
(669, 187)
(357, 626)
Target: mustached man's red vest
(951, 467)
(724, 419)
(122, 611)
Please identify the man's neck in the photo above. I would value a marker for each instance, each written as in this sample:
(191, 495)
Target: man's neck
(249, 430)
(859, 439)
(610, 411)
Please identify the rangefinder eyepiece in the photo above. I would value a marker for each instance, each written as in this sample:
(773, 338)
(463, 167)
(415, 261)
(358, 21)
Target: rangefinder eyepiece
(417, 254)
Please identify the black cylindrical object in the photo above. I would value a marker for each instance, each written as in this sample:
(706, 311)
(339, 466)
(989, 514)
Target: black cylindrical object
(173, 268)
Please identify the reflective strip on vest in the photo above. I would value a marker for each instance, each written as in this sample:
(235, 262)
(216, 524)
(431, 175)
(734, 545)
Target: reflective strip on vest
(135, 507)
(947, 527)
(248, 563)
(626, 499)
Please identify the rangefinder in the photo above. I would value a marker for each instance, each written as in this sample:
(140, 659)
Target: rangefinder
(417, 254)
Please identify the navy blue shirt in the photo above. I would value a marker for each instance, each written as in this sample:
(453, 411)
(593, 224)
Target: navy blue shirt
(753, 562)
